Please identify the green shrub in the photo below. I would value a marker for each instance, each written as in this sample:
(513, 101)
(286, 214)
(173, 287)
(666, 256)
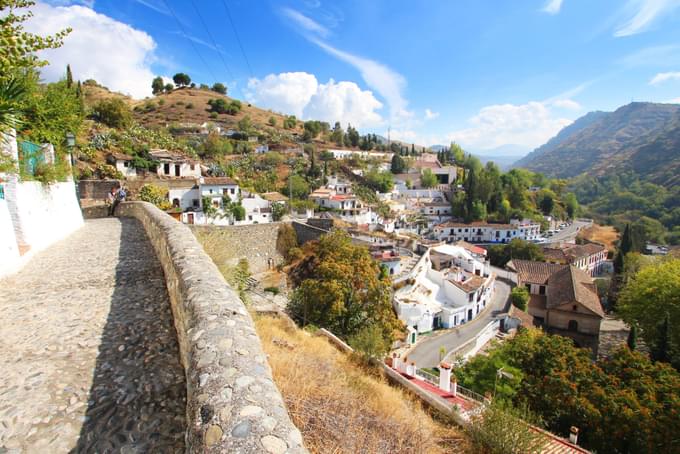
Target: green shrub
(113, 112)
(156, 195)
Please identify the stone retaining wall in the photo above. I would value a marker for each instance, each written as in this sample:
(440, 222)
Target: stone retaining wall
(306, 232)
(232, 403)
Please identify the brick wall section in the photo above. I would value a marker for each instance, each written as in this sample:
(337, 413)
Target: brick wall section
(232, 403)
(255, 243)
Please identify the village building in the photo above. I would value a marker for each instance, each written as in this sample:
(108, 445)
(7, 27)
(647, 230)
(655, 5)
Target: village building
(483, 232)
(215, 188)
(337, 196)
(173, 165)
(563, 300)
(449, 286)
(589, 257)
(123, 164)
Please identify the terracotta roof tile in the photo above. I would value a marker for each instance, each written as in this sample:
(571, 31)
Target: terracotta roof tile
(573, 285)
(534, 272)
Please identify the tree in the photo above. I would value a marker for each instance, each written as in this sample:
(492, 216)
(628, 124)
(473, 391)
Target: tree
(156, 195)
(380, 181)
(299, 185)
(337, 134)
(289, 122)
(19, 48)
(338, 287)
(157, 85)
(169, 87)
(113, 112)
(397, 164)
(220, 88)
(500, 255)
(571, 204)
(181, 79)
(520, 298)
(428, 179)
(632, 338)
(651, 301)
(370, 342)
(352, 136)
(312, 129)
(545, 199)
(12, 93)
(69, 77)
(478, 212)
(245, 124)
(272, 121)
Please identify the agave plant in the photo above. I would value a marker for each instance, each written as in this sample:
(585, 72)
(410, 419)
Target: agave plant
(12, 90)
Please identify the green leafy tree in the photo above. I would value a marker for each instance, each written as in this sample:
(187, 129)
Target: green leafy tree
(157, 85)
(245, 124)
(299, 185)
(338, 287)
(500, 255)
(169, 87)
(181, 80)
(290, 122)
(380, 181)
(19, 48)
(113, 112)
(545, 199)
(397, 164)
(520, 298)
(156, 195)
(428, 179)
(220, 88)
(632, 338)
(478, 212)
(69, 77)
(370, 342)
(571, 204)
(337, 134)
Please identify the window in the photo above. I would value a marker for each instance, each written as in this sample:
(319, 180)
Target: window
(195, 203)
(192, 167)
(541, 290)
(232, 190)
(126, 164)
(210, 191)
(166, 168)
(250, 217)
(471, 297)
(573, 325)
(175, 203)
(574, 307)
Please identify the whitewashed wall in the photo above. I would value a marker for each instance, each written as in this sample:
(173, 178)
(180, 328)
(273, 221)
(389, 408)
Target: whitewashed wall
(43, 214)
(9, 252)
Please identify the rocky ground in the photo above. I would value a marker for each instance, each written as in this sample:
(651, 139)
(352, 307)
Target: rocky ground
(89, 353)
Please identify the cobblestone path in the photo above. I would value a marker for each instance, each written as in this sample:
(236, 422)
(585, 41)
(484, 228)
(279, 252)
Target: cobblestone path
(88, 353)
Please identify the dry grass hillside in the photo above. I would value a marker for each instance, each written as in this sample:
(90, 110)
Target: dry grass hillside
(339, 408)
(603, 234)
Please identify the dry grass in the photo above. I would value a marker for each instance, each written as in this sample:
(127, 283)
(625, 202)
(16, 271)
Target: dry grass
(339, 407)
(603, 234)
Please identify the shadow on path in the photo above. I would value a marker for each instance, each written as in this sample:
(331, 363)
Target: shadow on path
(138, 395)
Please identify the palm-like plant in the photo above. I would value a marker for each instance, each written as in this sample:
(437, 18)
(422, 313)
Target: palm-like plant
(12, 91)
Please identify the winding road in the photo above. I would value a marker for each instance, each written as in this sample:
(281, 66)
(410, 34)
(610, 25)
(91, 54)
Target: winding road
(426, 352)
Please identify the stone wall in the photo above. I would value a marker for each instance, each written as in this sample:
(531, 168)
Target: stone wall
(233, 404)
(255, 243)
(306, 232)
(96, 189)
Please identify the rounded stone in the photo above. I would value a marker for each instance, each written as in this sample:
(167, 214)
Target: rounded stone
(250, 410)
(213, 435)
(268, 423)
(242, 429)
(295, 437)
(274, 445)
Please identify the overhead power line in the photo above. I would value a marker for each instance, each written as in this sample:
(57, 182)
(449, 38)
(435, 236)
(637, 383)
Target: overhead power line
(217, 49)
(186, 36)
(238, 40)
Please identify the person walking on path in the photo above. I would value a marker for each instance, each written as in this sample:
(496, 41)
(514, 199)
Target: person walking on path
(114, 198)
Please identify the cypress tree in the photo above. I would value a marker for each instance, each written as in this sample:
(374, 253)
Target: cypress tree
(632, 338)
(69, 77)
(661, 352)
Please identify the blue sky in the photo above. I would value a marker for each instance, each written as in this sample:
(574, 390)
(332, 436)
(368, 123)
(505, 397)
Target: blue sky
(487, 74)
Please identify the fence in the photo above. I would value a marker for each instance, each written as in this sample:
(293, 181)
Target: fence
(30, 156)
(428, 377)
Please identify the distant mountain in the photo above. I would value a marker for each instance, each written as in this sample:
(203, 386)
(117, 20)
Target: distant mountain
(639, 137)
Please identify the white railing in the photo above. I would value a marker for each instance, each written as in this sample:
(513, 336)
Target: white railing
(470, 394)
(428, 377)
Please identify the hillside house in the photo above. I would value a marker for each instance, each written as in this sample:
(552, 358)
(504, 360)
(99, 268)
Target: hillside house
(173, 165)
(589, 257)
(258, 210)
(185, 197)
(483, 232)
(563, 300)
(448, 286)
(338, 196)
(215, 188)
(123, 164)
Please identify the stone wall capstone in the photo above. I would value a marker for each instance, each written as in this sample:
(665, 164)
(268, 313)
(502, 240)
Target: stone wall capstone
(233, 404)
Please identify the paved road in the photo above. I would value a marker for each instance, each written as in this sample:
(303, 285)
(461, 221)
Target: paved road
(426, 352)
(569, 233)
(89, 358)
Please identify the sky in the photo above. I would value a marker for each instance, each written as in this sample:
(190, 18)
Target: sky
(497, 77)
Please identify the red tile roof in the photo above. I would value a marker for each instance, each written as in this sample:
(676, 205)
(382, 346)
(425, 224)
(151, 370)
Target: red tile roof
(219, 181)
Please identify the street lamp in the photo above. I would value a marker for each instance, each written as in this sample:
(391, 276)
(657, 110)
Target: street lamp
(70, 144)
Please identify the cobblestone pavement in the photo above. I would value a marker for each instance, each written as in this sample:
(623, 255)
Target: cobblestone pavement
(89, 355)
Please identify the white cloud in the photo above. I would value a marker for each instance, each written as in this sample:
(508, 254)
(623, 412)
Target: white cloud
(429, 115)
(529, 125)
(569, 104)
(300, 94)
(663, 77)
(305, 22)
(642, 13)
(99, 47)
(552, 6)
(388, 83)
(344, 102)
(674, 101)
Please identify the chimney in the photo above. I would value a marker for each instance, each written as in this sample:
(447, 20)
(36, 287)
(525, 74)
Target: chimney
(573, 435)
(445, 377)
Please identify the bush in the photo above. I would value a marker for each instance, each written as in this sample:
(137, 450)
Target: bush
(213, 115)
(113, 112)
(502, 429)
(222, 106)
(286, 241)
(219, 88)
(156, 195)
(190, 105)
(108, 171)
(520, 298)
(370, 343)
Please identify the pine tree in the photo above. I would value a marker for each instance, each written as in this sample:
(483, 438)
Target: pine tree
(79, 90)
(632, 338)
(69, 77)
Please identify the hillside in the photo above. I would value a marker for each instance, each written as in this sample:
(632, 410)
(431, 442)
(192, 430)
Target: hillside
(640, 137)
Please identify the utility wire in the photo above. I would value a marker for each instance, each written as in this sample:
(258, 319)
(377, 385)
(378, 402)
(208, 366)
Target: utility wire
(217, 49)
(238, 40)
(186, 36)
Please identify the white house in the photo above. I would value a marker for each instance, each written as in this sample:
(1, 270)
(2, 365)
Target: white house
(338, 196)
(172, 165)
(185, 198)
(123, 164)
(450, 285)
(215, 188)
(483, 232)
(258, 210)
(389, 259)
